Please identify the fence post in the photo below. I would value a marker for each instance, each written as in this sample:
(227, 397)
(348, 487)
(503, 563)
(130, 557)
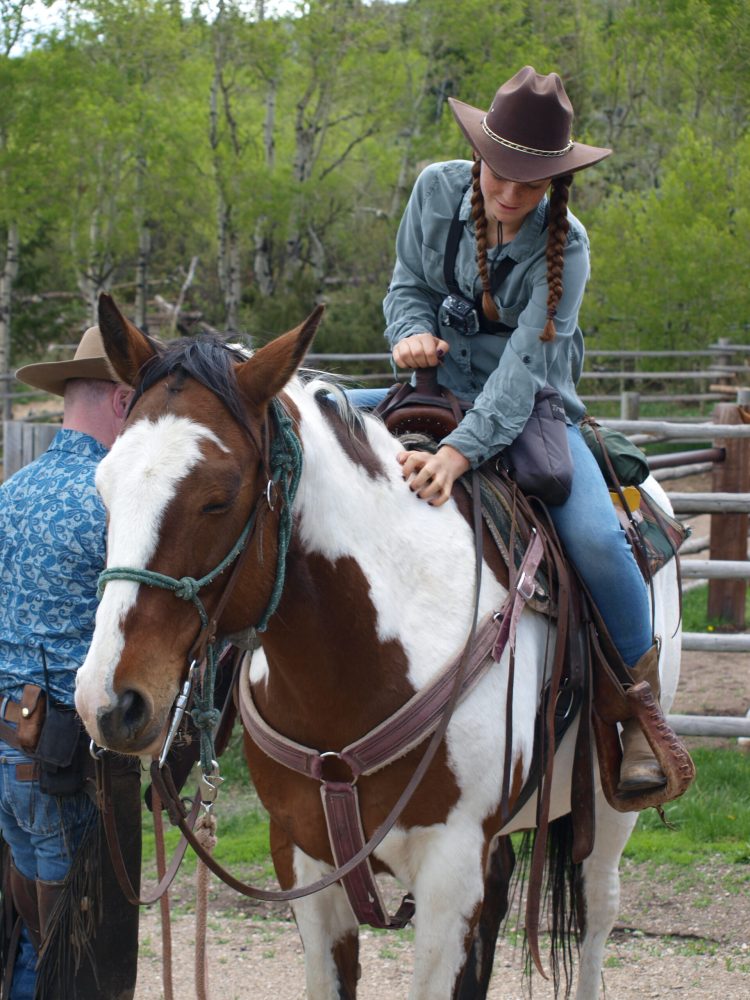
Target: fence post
(23, 442)
(726, 598)
(630, 405)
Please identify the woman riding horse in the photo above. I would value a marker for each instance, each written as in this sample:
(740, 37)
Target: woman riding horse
(478, 289)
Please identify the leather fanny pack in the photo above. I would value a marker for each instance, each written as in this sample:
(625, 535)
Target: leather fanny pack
(539, 459)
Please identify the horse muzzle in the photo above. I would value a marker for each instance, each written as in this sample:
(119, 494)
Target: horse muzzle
(127, 725)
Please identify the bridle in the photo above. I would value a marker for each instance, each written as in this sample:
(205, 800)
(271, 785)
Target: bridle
(282, 460)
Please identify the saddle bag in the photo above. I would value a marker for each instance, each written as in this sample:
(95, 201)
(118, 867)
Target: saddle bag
(619, 459)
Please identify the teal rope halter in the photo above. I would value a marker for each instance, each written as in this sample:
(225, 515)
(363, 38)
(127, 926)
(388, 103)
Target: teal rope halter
(285, 469)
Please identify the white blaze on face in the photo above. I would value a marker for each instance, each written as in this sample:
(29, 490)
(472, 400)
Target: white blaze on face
(137, 481)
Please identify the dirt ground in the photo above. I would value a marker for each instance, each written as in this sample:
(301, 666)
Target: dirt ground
(689, 941)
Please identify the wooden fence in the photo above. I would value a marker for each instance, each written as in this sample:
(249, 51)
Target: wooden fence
(724, 368)
(727, 569)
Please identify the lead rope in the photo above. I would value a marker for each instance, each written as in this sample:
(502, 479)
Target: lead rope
(205, 831)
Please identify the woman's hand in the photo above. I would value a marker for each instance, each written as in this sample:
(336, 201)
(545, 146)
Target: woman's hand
(432, 477)
(421, 350)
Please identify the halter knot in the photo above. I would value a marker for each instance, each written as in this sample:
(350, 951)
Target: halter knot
(187, 588)
(205, 718)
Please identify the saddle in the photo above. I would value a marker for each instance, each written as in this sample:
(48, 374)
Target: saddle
(592, 676)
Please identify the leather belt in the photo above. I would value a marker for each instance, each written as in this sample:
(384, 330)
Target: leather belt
(27, 772)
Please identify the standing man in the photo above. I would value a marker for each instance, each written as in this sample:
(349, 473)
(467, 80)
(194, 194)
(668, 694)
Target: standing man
(52, 550)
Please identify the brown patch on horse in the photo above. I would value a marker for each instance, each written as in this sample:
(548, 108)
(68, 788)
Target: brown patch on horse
(346, 959)
(315, 697)
(353, 441)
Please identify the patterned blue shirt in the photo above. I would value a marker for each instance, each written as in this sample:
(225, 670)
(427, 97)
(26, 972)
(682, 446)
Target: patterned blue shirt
(52, 550)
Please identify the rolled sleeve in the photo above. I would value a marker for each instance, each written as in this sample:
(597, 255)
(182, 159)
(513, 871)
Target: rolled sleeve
(504, 405)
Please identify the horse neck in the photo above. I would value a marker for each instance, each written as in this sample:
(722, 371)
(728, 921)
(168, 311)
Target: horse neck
(373, 574)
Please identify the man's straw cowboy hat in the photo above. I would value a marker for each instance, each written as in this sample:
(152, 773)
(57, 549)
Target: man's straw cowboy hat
(89, 361)
(526, 135)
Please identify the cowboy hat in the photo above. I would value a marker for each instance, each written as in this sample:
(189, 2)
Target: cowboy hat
(89, 361)
(526, 134)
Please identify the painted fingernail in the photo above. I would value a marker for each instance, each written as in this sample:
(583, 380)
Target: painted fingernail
(440, 354)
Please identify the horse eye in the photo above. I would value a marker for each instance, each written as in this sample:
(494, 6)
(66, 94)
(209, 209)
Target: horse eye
(216, 508)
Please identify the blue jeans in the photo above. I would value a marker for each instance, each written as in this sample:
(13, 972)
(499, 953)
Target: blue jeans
(43, 833)
(596, 544)
(598, 548)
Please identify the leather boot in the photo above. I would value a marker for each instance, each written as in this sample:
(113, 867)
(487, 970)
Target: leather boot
(639, 769)
(23, 891)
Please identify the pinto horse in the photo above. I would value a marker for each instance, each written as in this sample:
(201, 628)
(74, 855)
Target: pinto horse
(377, 599)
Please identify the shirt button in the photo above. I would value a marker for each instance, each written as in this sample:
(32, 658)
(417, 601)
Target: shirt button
(526, 359)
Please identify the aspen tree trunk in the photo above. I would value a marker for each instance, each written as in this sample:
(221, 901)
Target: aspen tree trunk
(144, 248)
(228, 242)
(262, 246)
(7, 280)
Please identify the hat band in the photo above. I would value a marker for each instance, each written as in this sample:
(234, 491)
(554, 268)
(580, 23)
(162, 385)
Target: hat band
(522, 149)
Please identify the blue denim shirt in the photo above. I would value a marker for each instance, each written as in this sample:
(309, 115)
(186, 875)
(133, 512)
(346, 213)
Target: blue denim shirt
(52, 550)
(500, 373)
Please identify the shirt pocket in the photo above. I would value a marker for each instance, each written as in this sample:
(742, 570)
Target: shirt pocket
(432, 266)
(509, 314)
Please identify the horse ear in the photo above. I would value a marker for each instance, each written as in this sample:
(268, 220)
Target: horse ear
(270, 368)
(127, 348)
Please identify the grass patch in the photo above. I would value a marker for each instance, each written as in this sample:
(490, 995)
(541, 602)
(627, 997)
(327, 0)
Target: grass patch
(695, 611)
(242, 823)
(712, 818)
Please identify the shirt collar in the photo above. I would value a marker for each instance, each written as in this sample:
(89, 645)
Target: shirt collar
(78, 443)
(526, 239)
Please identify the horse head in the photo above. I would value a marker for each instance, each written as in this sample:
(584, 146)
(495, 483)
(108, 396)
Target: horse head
(187, 488)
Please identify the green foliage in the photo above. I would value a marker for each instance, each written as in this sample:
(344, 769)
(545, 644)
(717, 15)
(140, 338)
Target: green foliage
(296, 138)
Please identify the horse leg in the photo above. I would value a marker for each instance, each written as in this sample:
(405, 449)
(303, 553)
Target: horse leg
(448, 891)
(601, 892)
(327, 926)
(475, 980)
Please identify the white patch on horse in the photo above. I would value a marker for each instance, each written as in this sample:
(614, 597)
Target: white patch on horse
(419, 564)
(137, 481)
(323, 920)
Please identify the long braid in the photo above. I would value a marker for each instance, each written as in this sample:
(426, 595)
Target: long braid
(556, 240)
(480, 224)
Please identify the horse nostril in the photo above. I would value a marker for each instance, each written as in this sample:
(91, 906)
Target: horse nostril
(125, 720)
(133, 709)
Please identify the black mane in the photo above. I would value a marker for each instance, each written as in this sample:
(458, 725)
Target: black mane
(207, 359)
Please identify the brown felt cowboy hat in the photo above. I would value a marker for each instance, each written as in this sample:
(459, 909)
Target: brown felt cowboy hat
(526, 134)
(89, 361)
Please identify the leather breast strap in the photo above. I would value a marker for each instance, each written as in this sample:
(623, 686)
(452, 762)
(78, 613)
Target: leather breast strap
(393, 738)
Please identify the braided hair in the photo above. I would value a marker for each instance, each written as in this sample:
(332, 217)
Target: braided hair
(480, 225)
(556, 239)
(557, 236)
